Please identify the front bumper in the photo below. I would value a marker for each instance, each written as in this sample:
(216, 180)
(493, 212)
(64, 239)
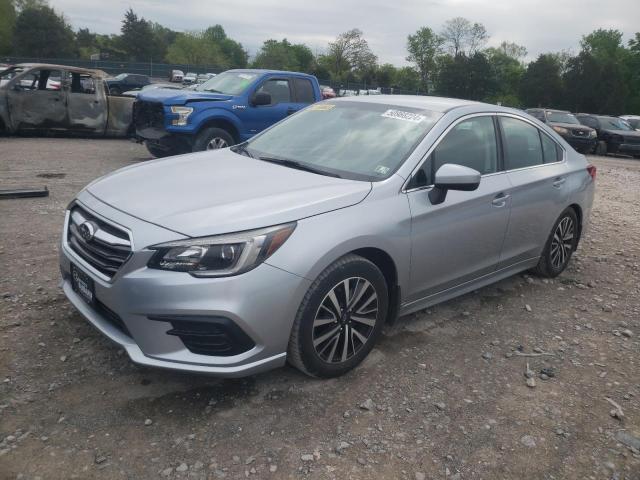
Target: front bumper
(582, 144)
(148, 304)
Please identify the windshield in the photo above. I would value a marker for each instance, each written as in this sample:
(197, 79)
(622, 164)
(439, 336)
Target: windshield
(562, 117)
(634, 122)
(122, 76)
(357, 140)
(229, 83)
(610, 123)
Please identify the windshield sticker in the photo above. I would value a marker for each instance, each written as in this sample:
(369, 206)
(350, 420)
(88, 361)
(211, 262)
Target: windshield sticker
(322, 107)
(246, 76)
(382, 170)
(406, 116)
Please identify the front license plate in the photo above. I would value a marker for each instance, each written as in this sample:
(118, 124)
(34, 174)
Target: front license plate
(82, 284)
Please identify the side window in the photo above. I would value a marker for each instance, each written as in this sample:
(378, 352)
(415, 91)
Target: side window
(304, 90)
(42, 80)
(278, 89)
(82, 83)
(550, 149)
(521, 144)
(471, 143)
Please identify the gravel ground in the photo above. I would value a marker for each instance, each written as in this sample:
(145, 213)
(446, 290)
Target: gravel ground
(443, 396)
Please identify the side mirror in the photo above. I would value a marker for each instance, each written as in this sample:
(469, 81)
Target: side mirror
(453, 177)
(261, 98)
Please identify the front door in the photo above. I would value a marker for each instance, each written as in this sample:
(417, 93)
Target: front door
(37, 101)
(257, 118)
(460, 239)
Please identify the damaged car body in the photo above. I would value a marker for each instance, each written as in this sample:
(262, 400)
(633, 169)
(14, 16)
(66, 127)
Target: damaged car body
(57, 98)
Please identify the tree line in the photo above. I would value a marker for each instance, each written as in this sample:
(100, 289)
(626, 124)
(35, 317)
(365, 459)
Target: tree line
(454, 61)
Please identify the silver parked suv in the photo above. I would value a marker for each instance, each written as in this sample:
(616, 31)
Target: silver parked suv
(300, 243)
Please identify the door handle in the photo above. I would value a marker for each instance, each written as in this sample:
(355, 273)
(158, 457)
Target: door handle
(291, 110)
(500, 200)
(558, 182)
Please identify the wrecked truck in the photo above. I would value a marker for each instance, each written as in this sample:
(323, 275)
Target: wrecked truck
(44, 98)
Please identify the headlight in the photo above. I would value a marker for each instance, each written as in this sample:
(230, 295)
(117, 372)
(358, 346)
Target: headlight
(561, 130)
(220, 255)
(183, 114)
(593, 134)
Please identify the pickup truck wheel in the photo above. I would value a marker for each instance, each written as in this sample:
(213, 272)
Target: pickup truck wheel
(601, 148)
(159, 152)
(212, 138)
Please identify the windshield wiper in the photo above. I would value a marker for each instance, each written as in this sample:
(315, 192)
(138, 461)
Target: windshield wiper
(299, 166)
(242, 150)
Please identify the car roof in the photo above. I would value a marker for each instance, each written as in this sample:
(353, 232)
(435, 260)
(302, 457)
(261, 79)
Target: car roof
(68, 68)
(263, 70)
(434, 104)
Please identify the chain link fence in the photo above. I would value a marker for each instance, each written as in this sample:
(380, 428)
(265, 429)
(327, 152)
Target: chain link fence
(163, 71)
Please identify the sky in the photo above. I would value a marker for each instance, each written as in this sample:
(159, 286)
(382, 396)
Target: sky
(540, 25)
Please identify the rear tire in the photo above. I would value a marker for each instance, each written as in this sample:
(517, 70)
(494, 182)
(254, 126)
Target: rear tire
(339, 319)
(212, 138)
(560, 245)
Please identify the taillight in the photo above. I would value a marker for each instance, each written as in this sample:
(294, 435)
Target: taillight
(592, 171)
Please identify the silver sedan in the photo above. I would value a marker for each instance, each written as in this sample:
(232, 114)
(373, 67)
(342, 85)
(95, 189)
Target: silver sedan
(301, 243)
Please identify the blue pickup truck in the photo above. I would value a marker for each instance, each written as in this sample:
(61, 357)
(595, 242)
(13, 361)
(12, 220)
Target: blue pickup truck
(225, 110)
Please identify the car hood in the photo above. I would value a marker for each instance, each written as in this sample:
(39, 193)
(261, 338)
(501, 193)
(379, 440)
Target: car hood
(571, 126)
(624, 133)
(180, 97)
(210, 193)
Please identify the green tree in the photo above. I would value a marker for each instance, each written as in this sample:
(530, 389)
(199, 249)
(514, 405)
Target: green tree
(196, 48)
(282, 55)
(348, 56)
(40, 32)
(541, 83)
(136, 37)
(468, 77)
(234, 53)
(508, 70)
(386, 75)
(161, 38)
(423, 47)
(407, 80)
(462, 36)
(7, 22)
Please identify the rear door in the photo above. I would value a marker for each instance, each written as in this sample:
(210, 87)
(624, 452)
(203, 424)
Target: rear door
(304, 95)
(37, 101)
(86, 104)
(460, 239)
(537, 172)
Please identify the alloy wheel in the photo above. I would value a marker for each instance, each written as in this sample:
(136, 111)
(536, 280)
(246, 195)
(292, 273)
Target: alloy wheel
(562, 243)
(345, 320)
(216, 143)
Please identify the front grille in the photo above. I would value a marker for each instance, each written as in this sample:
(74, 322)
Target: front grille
(216, 336)
(580, 133)
(148, 114)
(97, 242)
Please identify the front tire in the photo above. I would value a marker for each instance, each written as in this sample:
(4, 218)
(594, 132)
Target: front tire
(212, 138)
(339, 319)
(160, 152)
(560, 245)
(601, 148)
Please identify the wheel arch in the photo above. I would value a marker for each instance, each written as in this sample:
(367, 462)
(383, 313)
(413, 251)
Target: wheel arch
(223, 123)
(387, 266)
(578, 211)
